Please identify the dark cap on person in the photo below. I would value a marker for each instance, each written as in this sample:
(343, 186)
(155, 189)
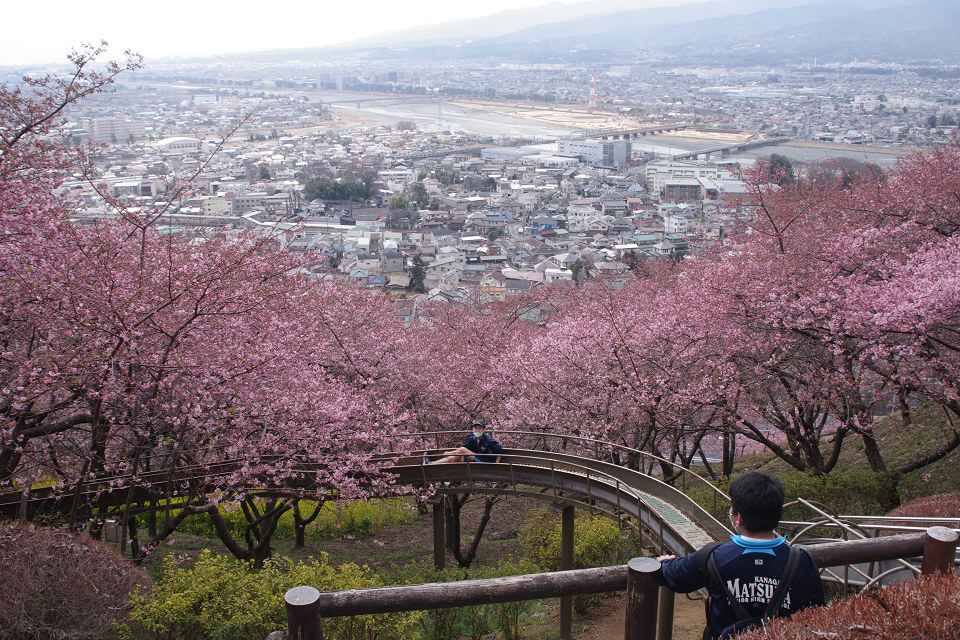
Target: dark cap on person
(479, 422)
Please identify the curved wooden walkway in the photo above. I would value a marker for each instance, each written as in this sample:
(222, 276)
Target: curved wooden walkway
(681, 524)
(601, 487)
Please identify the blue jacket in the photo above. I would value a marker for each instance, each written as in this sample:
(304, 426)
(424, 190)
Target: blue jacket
(752, 570)
(483, 444)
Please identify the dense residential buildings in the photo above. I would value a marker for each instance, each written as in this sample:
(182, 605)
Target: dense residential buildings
(489, 214)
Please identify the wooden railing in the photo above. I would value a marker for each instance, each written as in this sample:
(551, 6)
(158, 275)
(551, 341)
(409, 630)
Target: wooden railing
(647, 601)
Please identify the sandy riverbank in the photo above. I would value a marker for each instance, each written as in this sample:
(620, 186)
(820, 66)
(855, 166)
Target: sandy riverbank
(567, 116)
(837, 146)
(347, 118)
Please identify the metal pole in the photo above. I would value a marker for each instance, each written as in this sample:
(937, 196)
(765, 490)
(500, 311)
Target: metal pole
(439, 551)
(939, 550)
(643, 584)
(665, 614)
(303, 621)
(566, 564)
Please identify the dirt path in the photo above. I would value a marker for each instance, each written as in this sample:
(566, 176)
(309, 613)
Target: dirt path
(606, 621)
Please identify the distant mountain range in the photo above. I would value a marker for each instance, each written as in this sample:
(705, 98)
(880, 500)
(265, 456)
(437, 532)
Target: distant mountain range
(731, 32)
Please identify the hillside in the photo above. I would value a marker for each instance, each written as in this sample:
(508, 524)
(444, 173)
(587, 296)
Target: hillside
(899, 445)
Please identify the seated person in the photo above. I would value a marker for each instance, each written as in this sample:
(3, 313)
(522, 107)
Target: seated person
(476, 448)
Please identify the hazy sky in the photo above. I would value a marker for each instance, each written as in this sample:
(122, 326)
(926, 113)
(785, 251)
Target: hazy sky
(47, 32)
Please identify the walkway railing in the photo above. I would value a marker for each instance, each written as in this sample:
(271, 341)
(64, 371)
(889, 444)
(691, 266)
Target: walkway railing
(678, 523)
(598, 450)
(647, 617)
(857, 527)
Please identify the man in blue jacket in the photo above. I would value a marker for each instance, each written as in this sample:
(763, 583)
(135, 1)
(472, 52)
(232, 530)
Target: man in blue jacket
(752, 564)
(478, 447)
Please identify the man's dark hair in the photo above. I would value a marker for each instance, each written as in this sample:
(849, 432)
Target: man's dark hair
(758, 498)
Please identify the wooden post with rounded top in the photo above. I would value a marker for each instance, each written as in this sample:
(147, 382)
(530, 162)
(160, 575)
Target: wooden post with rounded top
(303, 621)
(939, 550)
(643, 585)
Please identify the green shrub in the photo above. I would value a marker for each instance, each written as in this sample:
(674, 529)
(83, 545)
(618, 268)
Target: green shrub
(477, 621)
(845, 492)
(222, 599)
(336, 519)
(597, 542)
(709, 501)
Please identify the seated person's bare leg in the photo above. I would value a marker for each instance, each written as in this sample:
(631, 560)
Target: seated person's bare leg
(460, 454)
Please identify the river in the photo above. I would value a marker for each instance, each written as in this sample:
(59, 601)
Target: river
(434, 115)
(387, 109)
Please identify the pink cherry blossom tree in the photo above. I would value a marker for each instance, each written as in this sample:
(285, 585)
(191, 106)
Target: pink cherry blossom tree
(822, 299)
(211, 367)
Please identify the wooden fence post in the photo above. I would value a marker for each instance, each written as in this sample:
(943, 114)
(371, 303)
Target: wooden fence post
(24, 501)
(643, 585)
(665, 614)
(939, 551)
(439, 537)
(303, 623)
(566, 563)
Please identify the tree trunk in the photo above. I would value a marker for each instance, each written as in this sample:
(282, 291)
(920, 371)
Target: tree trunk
(453, 507)
(170, 525)
(134, 538)
(300, 523)
(872, 451)
(452, 504)
(465, 560)
(729, 445)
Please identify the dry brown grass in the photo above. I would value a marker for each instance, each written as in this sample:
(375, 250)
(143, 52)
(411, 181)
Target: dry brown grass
(57, 584)
(946, 505)
(928, 608)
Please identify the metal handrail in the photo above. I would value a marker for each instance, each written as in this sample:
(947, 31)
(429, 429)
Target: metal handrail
(586, 472)
(680, 470)
(849, 530)
(591, 473)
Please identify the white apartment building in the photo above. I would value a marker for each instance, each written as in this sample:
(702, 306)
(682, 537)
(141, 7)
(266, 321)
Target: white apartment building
(115, 130)
(676, 222)
(605, 153)
(215, 205)
(658, 173)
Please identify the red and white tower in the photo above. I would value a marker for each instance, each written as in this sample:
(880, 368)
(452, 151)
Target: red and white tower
(592, 104)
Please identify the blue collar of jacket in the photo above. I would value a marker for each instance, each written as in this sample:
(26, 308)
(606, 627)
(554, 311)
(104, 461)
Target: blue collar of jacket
(752, 545)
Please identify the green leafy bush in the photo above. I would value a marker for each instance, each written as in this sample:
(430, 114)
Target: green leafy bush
(709, 500)
(221, 599)
(846, 492)
(597, 542)
(336, 519)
